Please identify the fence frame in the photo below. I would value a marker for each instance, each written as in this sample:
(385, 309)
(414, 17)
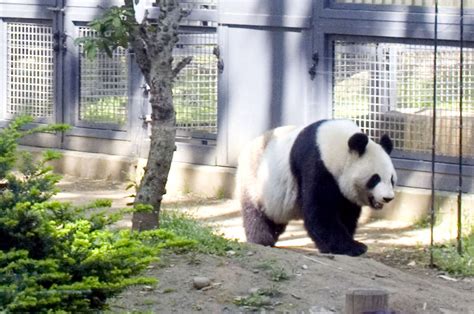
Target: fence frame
(392, 24)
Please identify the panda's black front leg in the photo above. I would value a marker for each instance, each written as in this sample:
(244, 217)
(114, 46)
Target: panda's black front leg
(322, 221)
(349, 215)
(330, 235)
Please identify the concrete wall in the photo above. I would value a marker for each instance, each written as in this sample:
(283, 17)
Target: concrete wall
(410, 205)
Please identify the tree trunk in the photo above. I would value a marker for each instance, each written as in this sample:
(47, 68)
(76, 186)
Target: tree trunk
(152, 187)
(153, 46)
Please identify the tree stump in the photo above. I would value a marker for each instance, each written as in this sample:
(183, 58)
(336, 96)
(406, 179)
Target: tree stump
(360, 301)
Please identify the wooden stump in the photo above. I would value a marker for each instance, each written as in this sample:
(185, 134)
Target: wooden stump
(360, 301)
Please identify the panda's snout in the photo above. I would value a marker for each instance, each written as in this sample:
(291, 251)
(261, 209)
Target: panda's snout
(388, 199)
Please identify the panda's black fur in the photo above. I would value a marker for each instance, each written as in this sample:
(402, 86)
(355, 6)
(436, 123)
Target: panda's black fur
(307, 189)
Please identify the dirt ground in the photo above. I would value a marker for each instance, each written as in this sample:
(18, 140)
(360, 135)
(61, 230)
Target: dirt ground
(291, 278)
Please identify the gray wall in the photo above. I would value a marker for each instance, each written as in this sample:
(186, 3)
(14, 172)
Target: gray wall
(266, 48)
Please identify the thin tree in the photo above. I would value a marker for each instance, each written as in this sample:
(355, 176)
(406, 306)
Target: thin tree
(152, 42)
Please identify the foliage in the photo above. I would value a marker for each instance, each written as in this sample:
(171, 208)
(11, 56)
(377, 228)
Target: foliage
(275, 272)
(11, 134)
(257, 299)
(111, 109)
(112, 31)
(207, 241)
(447, 258)
(56, 257)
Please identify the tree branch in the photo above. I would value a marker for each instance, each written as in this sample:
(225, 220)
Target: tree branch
(181, 64)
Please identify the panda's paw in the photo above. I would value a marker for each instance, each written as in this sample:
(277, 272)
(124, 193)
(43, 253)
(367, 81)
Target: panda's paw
(352, 248)
(356, 249)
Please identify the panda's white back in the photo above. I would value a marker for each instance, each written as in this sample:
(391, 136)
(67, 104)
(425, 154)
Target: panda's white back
(278, 186)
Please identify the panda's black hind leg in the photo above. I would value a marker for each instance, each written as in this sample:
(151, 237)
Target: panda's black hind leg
(258, 227)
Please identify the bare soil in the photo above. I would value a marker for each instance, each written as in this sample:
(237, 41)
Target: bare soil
(293, 276)
(315, 284)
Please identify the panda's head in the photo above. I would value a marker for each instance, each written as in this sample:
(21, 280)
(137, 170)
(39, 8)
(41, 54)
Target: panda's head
(369, 176)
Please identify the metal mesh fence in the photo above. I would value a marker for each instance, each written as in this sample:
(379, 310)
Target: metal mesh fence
(103, 86)
(202, 5)
(388, 88)
(421, 3)
(29, 69)
(195, 90)
(198, 4)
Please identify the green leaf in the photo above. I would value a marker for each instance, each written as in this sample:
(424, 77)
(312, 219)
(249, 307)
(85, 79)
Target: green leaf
(117, 22)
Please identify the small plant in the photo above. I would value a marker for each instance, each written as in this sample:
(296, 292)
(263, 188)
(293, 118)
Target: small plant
(207, 241)
(258, 299)
(272, 291)
(220, 193)
(275, 271)
(447, 258)
(279, 274)
(422, 222)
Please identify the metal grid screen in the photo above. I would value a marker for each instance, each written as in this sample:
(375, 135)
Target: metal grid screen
(103, 86)
(30, 69)
(198, 4)
(421, 3)
(195, 90)
(388, 88)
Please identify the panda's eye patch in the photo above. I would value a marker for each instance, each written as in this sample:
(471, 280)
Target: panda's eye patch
(393, 182)
(373, 181)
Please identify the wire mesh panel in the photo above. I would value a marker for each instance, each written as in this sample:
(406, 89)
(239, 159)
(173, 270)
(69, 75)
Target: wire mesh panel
(103, 95)
(195, 90)
(422, 3)
(30, 69)
(198, 4)
(388, 88)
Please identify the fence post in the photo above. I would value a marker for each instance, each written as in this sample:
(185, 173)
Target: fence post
(366, 301)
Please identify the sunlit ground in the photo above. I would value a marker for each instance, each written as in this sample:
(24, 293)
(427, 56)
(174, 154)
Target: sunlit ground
(224, 214)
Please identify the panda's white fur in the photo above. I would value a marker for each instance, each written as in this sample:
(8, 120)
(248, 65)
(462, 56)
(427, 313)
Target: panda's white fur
(278, 189)
(264, 174)
(267, 183)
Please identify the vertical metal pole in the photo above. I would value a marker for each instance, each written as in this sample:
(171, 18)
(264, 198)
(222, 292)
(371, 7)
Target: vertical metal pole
(58, 61)
(433, 140)
(461, 94)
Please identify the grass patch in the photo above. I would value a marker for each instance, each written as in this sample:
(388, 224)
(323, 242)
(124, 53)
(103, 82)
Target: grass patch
(254, 300)
(276, 272)
(258, 299)
(207, 240)
(447, 258)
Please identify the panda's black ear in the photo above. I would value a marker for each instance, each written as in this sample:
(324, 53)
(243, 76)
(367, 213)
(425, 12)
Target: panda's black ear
(358, 142)
(386, 143)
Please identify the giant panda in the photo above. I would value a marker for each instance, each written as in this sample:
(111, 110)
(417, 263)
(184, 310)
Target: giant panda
(322, 173)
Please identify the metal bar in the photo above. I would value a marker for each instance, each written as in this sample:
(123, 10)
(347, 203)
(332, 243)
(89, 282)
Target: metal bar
(461, 95)
(433, 143)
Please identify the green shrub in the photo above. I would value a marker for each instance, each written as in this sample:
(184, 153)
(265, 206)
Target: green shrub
(447, 258)
(207, 241)
(56, 257)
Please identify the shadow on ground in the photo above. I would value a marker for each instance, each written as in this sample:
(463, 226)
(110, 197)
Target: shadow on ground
(225, 215)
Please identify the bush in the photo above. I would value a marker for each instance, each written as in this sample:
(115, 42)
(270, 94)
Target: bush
(207, 241)
(447, 258)
(53, 256)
